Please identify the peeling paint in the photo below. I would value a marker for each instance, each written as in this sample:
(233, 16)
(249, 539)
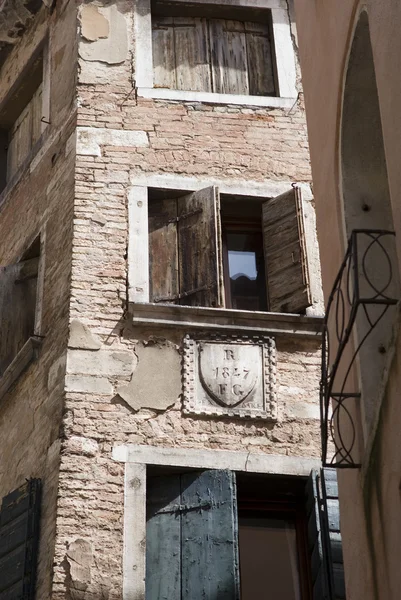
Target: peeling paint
(111, 49)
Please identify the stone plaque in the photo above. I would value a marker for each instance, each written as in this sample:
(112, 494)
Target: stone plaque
(230, 375)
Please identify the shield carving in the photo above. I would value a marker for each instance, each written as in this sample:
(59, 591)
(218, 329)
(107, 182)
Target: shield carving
(229, 372)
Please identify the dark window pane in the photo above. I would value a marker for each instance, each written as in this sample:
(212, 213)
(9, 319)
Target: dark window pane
(268, 559)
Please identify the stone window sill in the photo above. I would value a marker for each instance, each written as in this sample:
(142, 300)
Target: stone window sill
(194, 317)
(213, 98)
(28, 354)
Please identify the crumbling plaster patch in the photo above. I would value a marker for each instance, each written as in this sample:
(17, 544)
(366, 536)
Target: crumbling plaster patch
(104, 34)
(156, 382)
(90, 139)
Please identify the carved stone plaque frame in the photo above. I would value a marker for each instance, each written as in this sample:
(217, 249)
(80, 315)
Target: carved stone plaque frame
(230, 375)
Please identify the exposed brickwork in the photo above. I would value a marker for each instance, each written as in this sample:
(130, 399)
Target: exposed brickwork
(85, 208)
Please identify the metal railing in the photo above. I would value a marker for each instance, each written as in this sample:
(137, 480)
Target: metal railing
(356, 289)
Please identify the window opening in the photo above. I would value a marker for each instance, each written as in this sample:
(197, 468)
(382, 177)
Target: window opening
(22, 119)
(213, 49)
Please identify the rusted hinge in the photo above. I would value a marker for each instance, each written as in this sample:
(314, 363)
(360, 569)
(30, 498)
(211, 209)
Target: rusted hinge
(180, 296)
(186, 215)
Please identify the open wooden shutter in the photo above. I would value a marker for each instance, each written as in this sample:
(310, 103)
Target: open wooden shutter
(285, 253)
(324, 536)
(192, 537)
(18, 285)
(163, 251)
(331, 533)
(19, 536)
(199, 249)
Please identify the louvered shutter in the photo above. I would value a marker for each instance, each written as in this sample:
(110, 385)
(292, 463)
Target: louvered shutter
(18, 284)
(192, 537)
(324, 536)
(19, 536)
(285, 253)
(199, 249)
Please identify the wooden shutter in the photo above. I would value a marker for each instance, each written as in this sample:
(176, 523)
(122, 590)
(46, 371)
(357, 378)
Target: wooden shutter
(19, 536)
(199, 249)
(20, 141)
(18, 285)
(331, 532)
(163, 251)
(259, 57)
(192, 537)
(181, 53)
(37, 114)
(324, 536)
(228, 55)
(164, 75)
(285, 253)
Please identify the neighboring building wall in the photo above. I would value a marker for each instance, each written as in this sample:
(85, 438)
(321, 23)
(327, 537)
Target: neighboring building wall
(121, 139)
(40, 201)
(369, 498)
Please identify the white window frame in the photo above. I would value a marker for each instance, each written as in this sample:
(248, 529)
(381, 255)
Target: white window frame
(136, 459)
(138, 239)
(283, 51)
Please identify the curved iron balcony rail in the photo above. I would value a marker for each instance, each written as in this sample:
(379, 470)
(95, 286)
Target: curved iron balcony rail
(354, 290)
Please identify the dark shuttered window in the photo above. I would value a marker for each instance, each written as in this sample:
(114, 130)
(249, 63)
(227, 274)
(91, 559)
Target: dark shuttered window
(248, 254)
(212, 535)
(19, 535)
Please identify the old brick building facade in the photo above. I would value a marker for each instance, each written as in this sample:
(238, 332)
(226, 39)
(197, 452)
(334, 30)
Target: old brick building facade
(106, 373)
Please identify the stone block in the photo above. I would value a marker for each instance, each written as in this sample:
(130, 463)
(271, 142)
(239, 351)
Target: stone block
(90, 139)
(114, 363)
(87, 384)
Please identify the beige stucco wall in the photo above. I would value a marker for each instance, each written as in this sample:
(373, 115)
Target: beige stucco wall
(370, 499)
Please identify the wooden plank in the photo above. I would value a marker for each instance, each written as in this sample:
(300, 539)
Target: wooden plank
(14, 370)
(192, 54)
(259, 56)
(20, 141)
(209, 536)
(285, 253)
(37, 114)
(163, 535)
(12, 567)
(164, 71)
(163, 251)
(199, 249)
(228, 57)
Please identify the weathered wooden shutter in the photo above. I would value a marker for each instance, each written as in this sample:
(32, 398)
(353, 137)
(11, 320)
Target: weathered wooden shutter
(19, 536)
(181, 53)
(192, 537)
(285, 253)
(18, 285)
(199, 249)
(20, 141)
(259, 57)
(229, 59)
(324, 536)
(37, 114)
(163, 251)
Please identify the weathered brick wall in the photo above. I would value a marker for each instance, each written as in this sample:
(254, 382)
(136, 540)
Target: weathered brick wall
(105, 352)
(42, 199)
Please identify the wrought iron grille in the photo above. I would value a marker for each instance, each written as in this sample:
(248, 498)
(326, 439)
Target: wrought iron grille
(355, 290)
